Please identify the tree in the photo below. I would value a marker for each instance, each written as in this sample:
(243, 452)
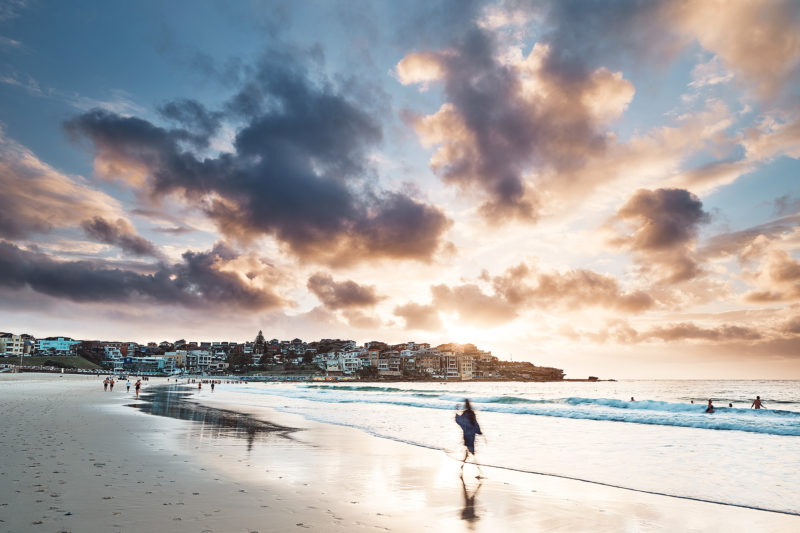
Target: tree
(368, 372)
(239, 360)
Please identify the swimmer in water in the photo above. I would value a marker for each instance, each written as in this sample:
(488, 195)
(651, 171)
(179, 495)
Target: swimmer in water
(710, 408)
(757, 403)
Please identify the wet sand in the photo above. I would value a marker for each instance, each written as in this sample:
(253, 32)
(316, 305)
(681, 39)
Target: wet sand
(75, 458)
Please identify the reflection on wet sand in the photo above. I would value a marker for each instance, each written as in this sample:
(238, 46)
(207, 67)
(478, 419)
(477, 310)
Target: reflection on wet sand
(172, 401)
(468, 513)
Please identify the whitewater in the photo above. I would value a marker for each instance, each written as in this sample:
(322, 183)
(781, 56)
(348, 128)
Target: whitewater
(662, 442)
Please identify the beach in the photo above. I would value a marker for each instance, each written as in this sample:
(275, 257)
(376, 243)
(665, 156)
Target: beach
(76, 458)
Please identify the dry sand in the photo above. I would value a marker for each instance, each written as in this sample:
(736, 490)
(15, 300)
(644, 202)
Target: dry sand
(75, 458)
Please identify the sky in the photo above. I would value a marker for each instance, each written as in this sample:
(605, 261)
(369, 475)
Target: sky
(610, 188)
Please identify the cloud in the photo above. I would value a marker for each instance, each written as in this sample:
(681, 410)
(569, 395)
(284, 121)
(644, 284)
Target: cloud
(199, 279)
(417, 316)
(472, 305)
(358, 319)
(195, 117)
(758, 40)
(664, 225)
(508, 117)
(298, 173)
(12, 8)
(175, 230)
(786, 205)
(120, 233)
(777, 276)
(751, 242)
(341, 295)
(772, 138)
(710, 73)
(37, 198)
(574, 289)
(690, 331)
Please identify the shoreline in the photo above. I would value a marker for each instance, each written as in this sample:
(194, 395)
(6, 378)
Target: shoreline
(71, 448)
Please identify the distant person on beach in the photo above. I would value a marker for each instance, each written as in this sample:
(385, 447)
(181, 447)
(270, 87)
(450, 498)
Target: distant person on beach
(730, 405)
(691, 401)
(757, 403)
(212, 386)
(128, 385)
(199, 385)
(469, 425)
(632, 399)
(105, 384)
(111, 385)
(710, 408)
(138, 386)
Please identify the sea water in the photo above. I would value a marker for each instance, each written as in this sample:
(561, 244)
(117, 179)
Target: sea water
(662, 442)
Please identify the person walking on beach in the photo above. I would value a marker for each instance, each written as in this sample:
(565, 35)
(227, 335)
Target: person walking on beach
(710, 408)
(469, 425)
(138, 386)
(111, 385)
(105, 384)
(757, 403)
(212, 386)
(128, 385)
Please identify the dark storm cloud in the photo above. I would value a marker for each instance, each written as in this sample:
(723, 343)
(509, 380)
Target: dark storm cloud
(195, 281)
(665, 218)
(297, 164)
(342, 294)
(495, 129)
(587, 33)
(195, 117)
(664, 225)
(120, 233)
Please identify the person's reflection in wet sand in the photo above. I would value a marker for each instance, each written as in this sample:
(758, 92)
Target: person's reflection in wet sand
(468, 512)
(251, 437)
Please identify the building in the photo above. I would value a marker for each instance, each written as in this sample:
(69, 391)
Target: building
(350, 362)
(147, 365)
(11, 344)
(450, 366)
(466, 365)
(428, 361)
(56, 345)
(198, 360)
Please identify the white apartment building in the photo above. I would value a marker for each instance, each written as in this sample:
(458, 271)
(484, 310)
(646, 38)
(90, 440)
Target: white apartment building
(350, 362)
(198, 360)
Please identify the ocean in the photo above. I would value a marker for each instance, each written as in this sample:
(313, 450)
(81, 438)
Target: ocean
(590, 431)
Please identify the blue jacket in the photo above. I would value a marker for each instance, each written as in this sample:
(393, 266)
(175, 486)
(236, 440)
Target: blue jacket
(470, 429)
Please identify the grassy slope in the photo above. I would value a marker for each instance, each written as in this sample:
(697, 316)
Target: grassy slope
(77, 362)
